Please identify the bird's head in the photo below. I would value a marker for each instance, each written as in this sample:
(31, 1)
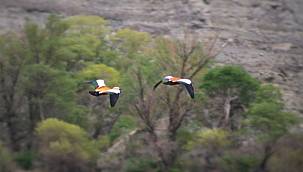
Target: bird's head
(88, 82)
(167, 79)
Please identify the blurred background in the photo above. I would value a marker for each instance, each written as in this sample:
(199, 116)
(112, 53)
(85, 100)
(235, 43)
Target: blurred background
(243, 56)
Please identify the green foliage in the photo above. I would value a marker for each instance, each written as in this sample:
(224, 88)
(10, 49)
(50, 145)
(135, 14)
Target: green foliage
(35, 38)
(65, 143)
(132, 47)
(267, 115)
(239, 163)
(84, 38)
(12, 55)
(209, 138)
(25, 159)
(103, 142)
(141, 165)
(124, 125)
(270, 120)
(269, 93)
(97, 71)
(44, 44)
(230, 81)
(184, 135)
(6, 160)
(52, 90)
(130, 41)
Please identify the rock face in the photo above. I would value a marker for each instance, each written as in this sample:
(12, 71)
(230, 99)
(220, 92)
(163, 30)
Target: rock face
(265, 36)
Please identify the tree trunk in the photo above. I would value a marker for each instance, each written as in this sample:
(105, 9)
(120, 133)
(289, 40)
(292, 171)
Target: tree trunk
(12, 131)
(227, 111)
(227, 108)
(166, 150)
(267, 154)
(10, 120)
(34, 118)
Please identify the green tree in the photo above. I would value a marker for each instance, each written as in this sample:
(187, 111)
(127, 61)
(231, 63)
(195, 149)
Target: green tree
(55, 30)
(12, 62)
(267, 118)
(65, 147)
(84, 40)
(270, 94)
(49, 89)
(50, 93)
(44, 43)
(230, 83)
(206, 147)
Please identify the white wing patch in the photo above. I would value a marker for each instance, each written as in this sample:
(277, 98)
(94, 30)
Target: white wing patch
(186, 81)
(100, 82)
(115, 90)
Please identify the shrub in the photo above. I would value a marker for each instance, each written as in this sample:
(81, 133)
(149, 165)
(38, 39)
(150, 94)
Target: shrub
(65, 146)
(239, 163)
(209, 138)
(25, 159)
(141, 165)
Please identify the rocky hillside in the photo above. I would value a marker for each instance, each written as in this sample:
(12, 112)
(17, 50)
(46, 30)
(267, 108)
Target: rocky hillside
(265, 36)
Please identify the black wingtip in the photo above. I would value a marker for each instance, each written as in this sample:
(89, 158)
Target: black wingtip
(192, 96)
(113, 99)
(190, 90)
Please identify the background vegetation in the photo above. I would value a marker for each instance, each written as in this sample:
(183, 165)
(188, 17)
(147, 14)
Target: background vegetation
(51, 123)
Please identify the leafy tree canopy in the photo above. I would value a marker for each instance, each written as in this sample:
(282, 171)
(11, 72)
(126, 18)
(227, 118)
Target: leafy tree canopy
(61, 139)
(230, 81)
(100, 71)
(267, 114)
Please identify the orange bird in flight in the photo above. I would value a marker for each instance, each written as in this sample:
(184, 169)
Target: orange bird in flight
(102, 89)
(170, 80)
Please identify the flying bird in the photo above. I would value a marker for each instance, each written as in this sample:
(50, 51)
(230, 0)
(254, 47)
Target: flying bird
(102, 89)
(170, 80)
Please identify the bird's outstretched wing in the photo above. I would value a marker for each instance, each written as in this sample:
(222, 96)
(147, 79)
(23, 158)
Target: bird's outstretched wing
(188, 85)
(113, 97)
(96, 83)
(156, 85)
(100, 82)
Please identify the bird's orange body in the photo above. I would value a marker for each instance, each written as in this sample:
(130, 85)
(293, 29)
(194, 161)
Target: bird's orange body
(174, 79)
(102, 89)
